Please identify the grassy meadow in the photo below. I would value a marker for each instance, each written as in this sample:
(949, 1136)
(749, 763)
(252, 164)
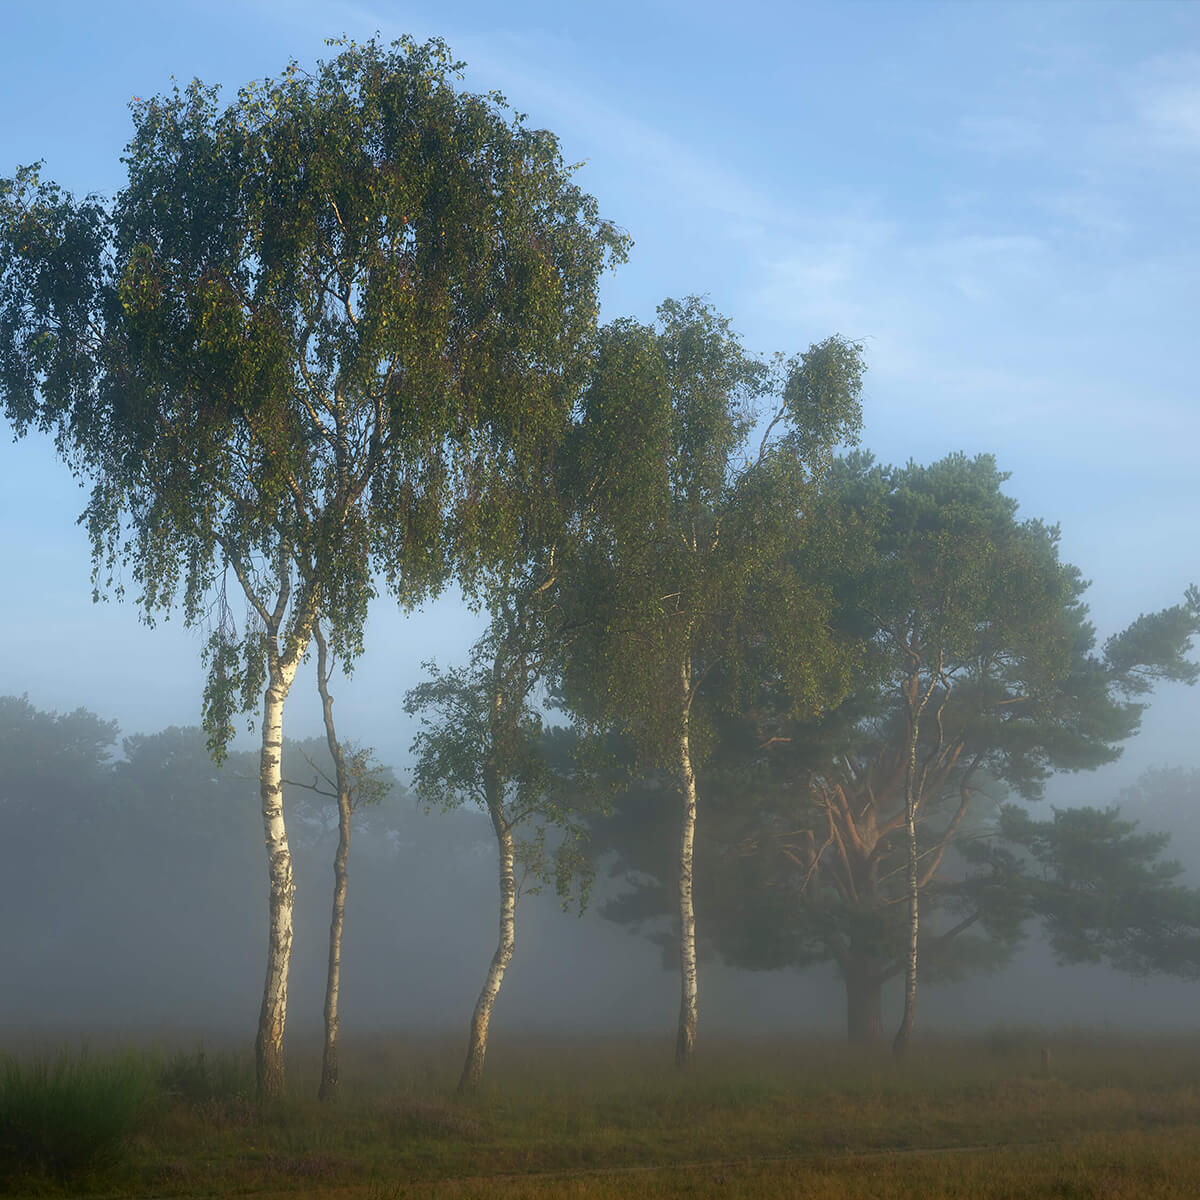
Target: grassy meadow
(989, 1116)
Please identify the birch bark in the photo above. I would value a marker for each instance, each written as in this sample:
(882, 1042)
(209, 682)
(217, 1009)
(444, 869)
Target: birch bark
(268, 1045)
(281, 671)
(685, 1044)
(472, 1072)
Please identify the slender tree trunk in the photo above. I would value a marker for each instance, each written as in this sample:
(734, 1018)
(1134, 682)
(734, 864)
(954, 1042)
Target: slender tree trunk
(472, 1071)
(914, 789)
(685, 1044)
(904, 1033)
(864, 1001)
(328, 1088)
(268, 1046)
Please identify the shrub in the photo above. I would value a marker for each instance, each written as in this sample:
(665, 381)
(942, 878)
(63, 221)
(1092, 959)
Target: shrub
(71, 1115)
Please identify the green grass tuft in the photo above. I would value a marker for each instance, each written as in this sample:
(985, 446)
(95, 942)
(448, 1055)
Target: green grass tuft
(70, 1116)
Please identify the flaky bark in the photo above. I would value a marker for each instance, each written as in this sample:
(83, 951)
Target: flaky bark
(268, 1045)
(472, 1072)
(281, 671)
(328, 1088)
(685, 1044)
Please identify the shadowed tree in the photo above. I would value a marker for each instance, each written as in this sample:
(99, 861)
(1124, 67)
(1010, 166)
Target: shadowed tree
(1103, 891)
(356, 781)
(482, 740)
(984, 669)
(682, 551)
(319, 333)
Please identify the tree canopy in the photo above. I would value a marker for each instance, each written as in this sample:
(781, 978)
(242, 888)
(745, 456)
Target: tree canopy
(945, 588)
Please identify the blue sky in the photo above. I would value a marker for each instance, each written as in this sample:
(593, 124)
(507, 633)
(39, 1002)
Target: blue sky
(999, 200)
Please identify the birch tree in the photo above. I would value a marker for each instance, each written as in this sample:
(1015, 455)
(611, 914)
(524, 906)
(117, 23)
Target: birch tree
(483, 741)
(316, 333)
(685, 542)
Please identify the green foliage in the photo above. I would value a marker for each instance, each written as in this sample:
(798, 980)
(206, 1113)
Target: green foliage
(325, 330)
(71, 1115)
(368, 781)
(680, 562)
(1105, 893)
(483, 741)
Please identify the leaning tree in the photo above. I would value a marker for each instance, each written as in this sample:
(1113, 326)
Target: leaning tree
(314, 334)
(680, 550)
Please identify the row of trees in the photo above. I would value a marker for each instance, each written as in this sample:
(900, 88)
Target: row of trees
(343, 332)
(135, 877)
(893, 819)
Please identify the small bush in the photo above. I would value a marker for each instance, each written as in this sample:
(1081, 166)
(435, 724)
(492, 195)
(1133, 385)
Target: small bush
(71, 1115)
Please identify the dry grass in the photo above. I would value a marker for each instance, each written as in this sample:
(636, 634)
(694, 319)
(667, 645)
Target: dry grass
(1111, 1117)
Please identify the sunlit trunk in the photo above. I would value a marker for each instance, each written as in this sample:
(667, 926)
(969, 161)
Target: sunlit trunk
(685, 1044)
(273, 1014)
(472, 1071)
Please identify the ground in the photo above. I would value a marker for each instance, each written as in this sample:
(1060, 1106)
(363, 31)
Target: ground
(1010, 1114)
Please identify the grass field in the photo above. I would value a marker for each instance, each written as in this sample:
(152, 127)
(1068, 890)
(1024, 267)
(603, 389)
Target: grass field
(1107, 1116)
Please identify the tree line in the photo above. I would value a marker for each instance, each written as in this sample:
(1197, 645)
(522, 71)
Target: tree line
(341, 336)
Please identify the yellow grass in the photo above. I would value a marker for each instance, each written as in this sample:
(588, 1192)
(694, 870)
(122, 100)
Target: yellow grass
(610, 1117)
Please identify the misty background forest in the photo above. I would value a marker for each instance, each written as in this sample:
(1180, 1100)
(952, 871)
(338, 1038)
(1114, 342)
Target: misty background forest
(137, 864)
(749, 712)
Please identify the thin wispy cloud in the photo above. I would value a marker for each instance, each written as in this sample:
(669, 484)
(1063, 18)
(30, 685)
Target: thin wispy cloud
(1172, 111)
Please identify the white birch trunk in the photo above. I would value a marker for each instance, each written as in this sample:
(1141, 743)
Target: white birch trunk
(685, 1043)
(472, 1072)
(268, 1045)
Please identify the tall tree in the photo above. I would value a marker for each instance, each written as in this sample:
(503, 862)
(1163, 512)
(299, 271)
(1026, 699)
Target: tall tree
(316, 335)
(684, 541)
(981, 630)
